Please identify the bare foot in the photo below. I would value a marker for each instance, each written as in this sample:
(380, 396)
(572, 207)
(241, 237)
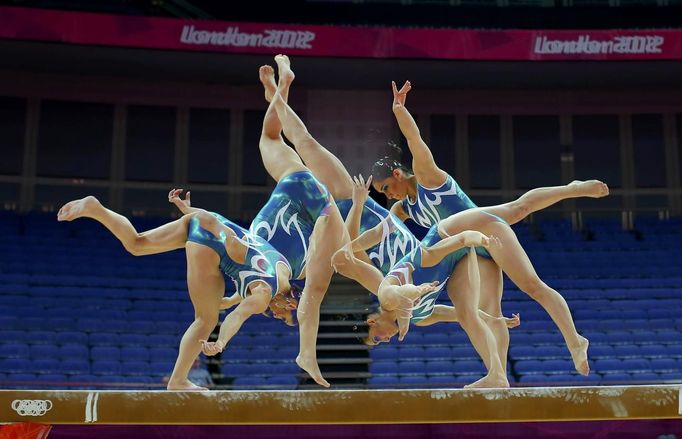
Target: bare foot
(579, 356)
(266, 74)
(310, 366)
(77, 208)
(590, 188)
(286, 75)
(490, 382)
(185, 386)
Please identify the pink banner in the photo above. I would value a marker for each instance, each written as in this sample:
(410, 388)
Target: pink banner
(337, 41)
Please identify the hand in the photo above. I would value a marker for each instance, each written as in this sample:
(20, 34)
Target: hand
(404, 318)
(210, 348)
(477, 239)
(427, 287)
(343, 256)
(182, 205)
(514, 321)
(399, 96)
(361, 189)
(229, 302)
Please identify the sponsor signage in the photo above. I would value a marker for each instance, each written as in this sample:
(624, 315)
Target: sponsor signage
(338, 41)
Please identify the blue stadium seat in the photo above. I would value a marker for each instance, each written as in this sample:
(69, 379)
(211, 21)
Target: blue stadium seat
(411, 367)
(665, 365)
(235, 369)
(21, 381)
(163, 340)
(52, 381)
(14, 350)
(105, 353)
(162, 354)
(437, 353)
(47, 366)
(41, 337)
(384, 353)
(161, 368)
(15, 365)
(439, 367)
(627, 351)
(550, 352)
(286, 382)
(136, 340)
(68, 337)
(443, 380)
(414, 380)
(410, 352)
(13, 336)
(77, 367)
(44, 351)
(383, 367)
(463, 367)
(383, 380)
(106, 367)
(135, 368)
(601, 351)
(519, 352)
(134, 353)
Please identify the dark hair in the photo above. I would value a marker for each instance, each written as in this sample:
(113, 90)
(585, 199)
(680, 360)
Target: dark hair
(383, 168)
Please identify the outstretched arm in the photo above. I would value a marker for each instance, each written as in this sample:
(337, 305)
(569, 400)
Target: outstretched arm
(445, 313)
(423, 164)
(469, 238)
(229, 302)
(256, 303)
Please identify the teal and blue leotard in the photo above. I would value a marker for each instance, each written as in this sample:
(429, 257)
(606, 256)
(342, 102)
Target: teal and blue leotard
(261, 258)
(288, 218)
(433, 205)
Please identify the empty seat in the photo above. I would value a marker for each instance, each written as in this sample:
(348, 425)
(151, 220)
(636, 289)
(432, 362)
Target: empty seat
(135, 368)
(106, 367)
(162, 354)
(411, 367)
(14, 350)
(383, 367)
(105, 353)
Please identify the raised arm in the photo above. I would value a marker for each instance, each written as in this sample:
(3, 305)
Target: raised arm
(360, 194)
(256, 303)
(423, 164)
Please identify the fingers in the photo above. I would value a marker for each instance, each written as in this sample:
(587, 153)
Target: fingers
(211, 348)
(395, 89)
(175, 193)
(369, 182)
(407, 86)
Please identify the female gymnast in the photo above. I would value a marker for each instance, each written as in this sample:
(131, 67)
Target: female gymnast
(216, 249)
(431, 197)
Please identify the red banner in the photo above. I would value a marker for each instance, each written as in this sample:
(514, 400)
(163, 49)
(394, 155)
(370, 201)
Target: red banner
(337, 41)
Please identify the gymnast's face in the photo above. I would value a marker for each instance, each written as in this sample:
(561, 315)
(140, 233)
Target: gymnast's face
(282, 308)
(393, 186)
(381, 329)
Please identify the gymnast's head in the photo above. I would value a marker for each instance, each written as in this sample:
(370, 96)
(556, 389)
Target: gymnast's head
(282, 307)
(390, 176)
(381, 328)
